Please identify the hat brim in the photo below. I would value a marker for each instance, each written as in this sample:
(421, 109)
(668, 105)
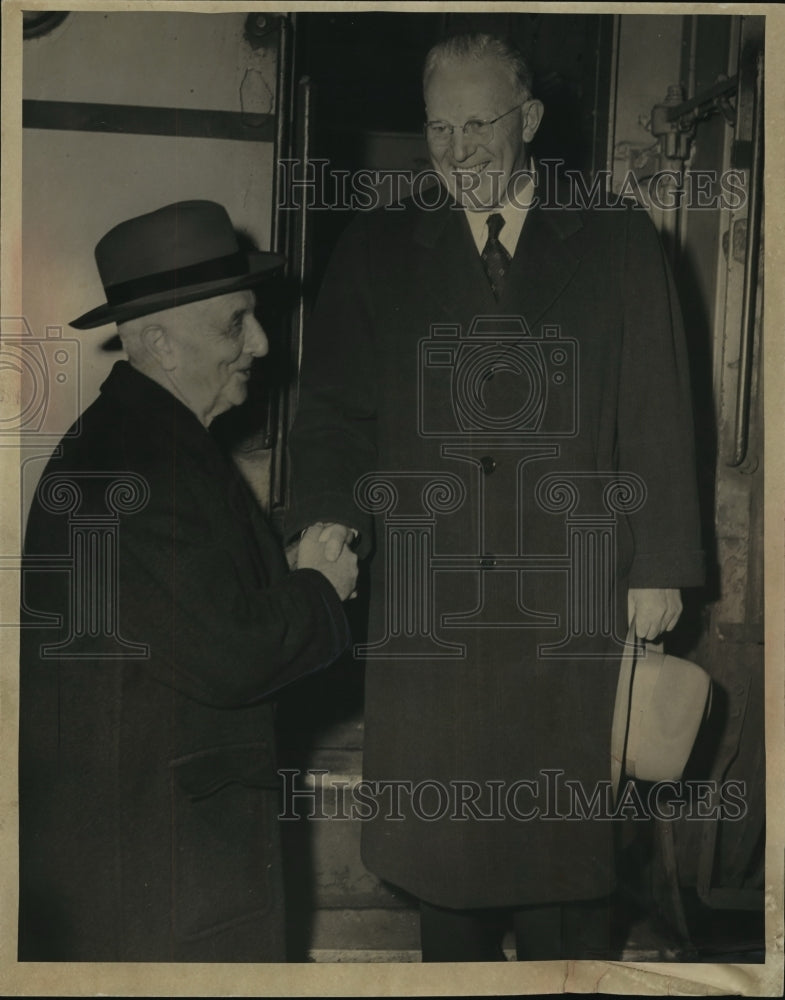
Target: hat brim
(621, 709)
(261, 265)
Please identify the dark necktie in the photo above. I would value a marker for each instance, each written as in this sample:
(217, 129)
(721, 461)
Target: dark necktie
(494, 257)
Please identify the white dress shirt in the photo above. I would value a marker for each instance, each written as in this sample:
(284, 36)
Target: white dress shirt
(514, 215)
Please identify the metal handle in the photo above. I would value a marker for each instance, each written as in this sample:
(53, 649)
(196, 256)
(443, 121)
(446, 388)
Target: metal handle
(744, 391)
(293, 242)
(278, 235)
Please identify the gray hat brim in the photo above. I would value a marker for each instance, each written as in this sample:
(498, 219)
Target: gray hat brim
(261, 266)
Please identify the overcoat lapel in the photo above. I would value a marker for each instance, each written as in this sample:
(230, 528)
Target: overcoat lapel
(455, 278)
(540, 271)
(543, 265)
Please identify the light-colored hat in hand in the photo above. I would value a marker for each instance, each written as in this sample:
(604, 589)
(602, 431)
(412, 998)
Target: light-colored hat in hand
(660, 703)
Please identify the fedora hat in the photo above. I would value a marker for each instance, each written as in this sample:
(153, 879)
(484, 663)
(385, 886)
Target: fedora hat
(660, 703)
(177, 254)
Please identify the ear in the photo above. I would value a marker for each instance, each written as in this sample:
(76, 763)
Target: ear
(533, 111)
(159, 344)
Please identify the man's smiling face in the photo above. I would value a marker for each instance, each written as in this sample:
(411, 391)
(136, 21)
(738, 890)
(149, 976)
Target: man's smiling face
(478, 174)
(213, 343)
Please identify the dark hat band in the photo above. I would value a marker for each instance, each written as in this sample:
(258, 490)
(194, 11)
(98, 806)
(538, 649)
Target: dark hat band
(231, 266)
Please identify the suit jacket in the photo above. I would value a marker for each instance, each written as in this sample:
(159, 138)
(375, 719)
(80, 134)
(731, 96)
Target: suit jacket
(159, 618)
(506, 534)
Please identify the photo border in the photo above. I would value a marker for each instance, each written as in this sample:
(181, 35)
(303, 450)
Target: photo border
(350, 979)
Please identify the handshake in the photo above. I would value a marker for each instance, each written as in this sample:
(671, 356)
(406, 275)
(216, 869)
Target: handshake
(326, 547)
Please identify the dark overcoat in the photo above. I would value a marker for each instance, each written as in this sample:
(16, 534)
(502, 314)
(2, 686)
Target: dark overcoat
(534, 459)
(147, 782)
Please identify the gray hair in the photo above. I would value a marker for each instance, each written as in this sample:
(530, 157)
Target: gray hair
(478, 46)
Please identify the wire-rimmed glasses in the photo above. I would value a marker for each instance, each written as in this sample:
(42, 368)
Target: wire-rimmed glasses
(439, 133)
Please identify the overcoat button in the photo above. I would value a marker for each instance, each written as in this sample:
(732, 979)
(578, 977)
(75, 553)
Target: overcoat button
(488, 464)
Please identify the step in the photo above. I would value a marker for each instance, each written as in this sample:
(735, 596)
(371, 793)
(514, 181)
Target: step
(365, 935)
(325, 840)
(381, 935)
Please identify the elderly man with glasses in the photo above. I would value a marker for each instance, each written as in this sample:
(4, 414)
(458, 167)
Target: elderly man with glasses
(503, 383)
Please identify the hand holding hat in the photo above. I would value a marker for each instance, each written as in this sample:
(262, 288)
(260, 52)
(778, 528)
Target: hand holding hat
(660, 703)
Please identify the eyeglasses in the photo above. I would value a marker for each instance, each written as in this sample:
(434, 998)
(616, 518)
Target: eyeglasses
(440, 133)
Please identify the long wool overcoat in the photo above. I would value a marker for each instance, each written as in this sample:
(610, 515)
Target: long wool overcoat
(148, 792)
(503, 546)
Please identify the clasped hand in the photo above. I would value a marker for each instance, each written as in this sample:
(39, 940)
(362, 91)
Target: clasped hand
(326, 547)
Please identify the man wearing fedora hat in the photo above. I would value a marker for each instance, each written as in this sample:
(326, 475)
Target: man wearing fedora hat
(159, 617)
